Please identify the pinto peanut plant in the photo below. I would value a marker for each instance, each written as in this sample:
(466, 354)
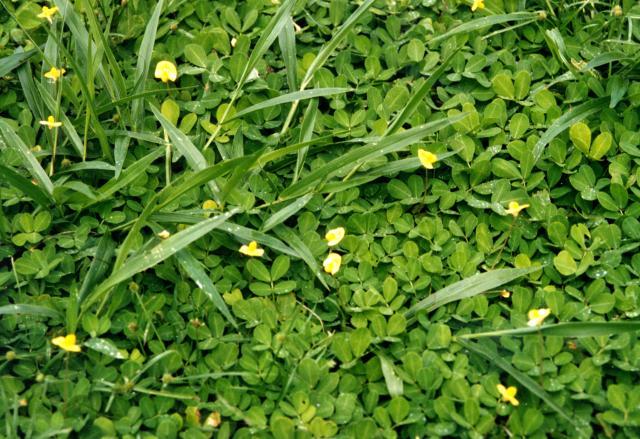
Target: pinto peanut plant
(318, 219)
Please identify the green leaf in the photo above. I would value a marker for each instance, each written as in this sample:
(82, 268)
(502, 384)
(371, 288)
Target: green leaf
(195, 54)
(106, 347)
(580, 135)
(565, 264)
(601, 145)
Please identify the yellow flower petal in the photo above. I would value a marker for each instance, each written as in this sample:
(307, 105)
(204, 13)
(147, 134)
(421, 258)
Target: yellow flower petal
(51, 123)
(164, 234)
(166, 71)
(67, 343)
(54, 74)
(209, 205)
(537, 316)
(508, 394)
(48, 13)
(332, 263)
(252, 249)
(334, 236)
(477, 4)
(427, 158)
(515, 208)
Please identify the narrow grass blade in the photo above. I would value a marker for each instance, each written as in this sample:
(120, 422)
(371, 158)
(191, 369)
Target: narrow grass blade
(287, 43)
(240, 176)
(31, 94)
(290, 97)
(195, 271)
(483, 22)
(130, 174)
(302, 250)
(31, 310)
(356, 156)
(572, 116)
(490, 353)
(245, 234)
(469, 287)
(158, 253)
(120, 153)
(418, 97)
(286, 212)
(93, 165)
(25, 186)
(67, 125)
(306, 133)
(99, 266)
(8, 63)
(144, 61)
(569, 329)
(11, 140)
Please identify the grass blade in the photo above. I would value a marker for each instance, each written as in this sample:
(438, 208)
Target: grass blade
(11, 140)
(306, 132)
(489, 352)
(99, 266)
(8, 63)
(469, 287)
(245, 234)
(394, 383)
(302, 250)
(195, 271)
(572, 116)
(290, 97)
(158, 253)
(144, 61)
(569, 329)
(26, 309)
(480, 23)
(287, 43)
(286, 212)
(25, 186)
(25, 76)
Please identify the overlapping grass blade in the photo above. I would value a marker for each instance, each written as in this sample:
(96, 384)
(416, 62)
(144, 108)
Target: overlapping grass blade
(469, 287)
(11, 140)
(490, 353)
(99, 266)
(568, 329)
(302, 251)
(269, 34)
(287, 43)
(195, 271)
(325, 53)
(483, 22)
(67, 125)
(25, 186)
(356, 156)
(286, 212)
(156, 254)
(144, 61)
(290, 97)
(25, 76)
(27, 309)
(306, 133)
(130, 174)
(572, 116)
(8, 63)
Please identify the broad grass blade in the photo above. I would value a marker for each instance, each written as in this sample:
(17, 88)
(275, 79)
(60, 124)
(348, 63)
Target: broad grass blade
(568, 329)
(25, 186)
(287, 43)
(144, 61)
(99, 266)
(483, 22)
(572, 116)
(490, 353)
(11, 140)
(469, 287)
(195, 271)
(8, 63)
(302, 250)
(306, 133)
(156, 254)
(286, 212)
(31, 310)
(394, 383)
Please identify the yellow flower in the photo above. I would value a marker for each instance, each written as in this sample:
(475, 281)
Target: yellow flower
(48, 13)
(67, 343)
(427, 158)
(51, 123)
(166, 71)
(54, 74)
(334, 236)
(477, 4)
(508, 394)
(537, 316)
(209, 205)
(251, 249)
(505, 294)
(164, 234)
(332, 263)
(213, 420)
(515, 208)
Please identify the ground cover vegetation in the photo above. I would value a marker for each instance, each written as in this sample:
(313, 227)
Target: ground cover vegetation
(305, 218)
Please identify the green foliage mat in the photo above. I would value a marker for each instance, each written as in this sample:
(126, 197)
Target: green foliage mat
(129, 310)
